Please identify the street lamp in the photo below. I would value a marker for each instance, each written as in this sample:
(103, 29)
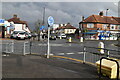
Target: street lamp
(106, 22)
(106, 14)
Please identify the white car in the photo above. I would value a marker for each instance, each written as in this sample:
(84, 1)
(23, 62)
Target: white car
(62, 36)
(28, 35)
(14, 35)
(21, 35)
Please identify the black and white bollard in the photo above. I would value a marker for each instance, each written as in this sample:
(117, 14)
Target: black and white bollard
(101, 46)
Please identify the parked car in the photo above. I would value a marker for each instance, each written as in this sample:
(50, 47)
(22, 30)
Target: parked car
(21, 35)
(34, 34)
(52, 37)
(118, 38)
(14, 35)
(28, 35)
(18, 35)
(62, 36)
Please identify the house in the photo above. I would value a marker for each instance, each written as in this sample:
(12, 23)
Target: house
(96, 25)
(3, 28)
(17, 25)
(66, 29)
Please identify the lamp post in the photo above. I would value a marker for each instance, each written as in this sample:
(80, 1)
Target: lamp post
(106, 23)
(106, 14)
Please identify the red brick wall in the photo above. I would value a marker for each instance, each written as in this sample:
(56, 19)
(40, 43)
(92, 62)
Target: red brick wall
(96, 26)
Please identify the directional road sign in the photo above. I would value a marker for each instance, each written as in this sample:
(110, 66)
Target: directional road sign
(2, 20)
(50, 20)
(42, 27)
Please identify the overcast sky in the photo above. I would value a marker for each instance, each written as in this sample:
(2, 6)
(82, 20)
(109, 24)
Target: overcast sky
(63, 12)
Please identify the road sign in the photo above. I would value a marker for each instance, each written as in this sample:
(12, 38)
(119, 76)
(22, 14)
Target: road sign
(50, 20)
(42, 27)
(2, 20)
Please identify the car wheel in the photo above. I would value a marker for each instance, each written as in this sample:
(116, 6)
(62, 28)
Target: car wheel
(11, 37)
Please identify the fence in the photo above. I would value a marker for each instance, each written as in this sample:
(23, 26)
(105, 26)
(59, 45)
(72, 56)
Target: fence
(92, 54)
(39, 48)
(8, 46)
(85, 53)
(26, 48)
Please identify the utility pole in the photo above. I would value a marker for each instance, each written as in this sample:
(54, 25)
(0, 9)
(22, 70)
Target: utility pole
(43, 23)
(106, 14)
(43, 16)
(106, 23)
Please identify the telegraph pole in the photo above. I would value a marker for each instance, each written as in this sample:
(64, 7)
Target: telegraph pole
(43, 16)
(106, 14)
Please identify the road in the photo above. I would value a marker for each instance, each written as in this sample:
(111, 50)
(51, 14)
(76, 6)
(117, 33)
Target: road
(63, 48)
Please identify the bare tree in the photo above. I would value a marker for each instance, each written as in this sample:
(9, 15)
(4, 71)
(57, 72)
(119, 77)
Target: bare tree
(38, 23)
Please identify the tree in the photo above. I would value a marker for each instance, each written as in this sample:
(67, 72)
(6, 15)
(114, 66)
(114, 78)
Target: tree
(38, 23)
(77, 31)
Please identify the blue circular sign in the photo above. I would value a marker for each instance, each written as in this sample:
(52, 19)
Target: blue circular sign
(50, 20)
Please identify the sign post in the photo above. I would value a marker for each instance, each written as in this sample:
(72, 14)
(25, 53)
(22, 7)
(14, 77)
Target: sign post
(50, 23)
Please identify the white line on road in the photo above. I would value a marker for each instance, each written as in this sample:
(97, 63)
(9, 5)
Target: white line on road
(80, 52)
(70, 53)
(42, 44)
(51, 44)
(61, 53)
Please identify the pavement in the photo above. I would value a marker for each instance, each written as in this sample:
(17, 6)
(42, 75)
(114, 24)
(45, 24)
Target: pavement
(34, 66)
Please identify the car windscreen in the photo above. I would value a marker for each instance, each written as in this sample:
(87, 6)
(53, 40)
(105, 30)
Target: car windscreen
(22, 33)
(52, 34)
(15, 32)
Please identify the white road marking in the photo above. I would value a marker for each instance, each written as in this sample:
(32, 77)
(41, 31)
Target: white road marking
(56, 44)
(51, 54)
(80, 52)
(61, 53)
(51, 44)
(70, 53)
(42, 44)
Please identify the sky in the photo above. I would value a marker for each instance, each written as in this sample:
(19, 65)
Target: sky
(62, 12)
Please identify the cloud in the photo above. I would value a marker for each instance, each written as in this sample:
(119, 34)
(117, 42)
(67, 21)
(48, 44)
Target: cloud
(62, 12)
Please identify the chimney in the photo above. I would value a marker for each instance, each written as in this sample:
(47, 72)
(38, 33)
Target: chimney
(82, 18)
(101, 13)
(63, 24)
(15, 16)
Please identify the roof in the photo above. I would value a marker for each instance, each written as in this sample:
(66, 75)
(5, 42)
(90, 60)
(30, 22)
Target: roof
(102, 19)
(17, 20)
(68, 26)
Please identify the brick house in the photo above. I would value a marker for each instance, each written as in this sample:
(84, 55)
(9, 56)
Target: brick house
(95, 24)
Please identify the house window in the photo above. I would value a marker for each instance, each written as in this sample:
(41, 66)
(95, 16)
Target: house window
(118, 27)
(90, 25)
(70, 30)
(105, 26)
(112, 27)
